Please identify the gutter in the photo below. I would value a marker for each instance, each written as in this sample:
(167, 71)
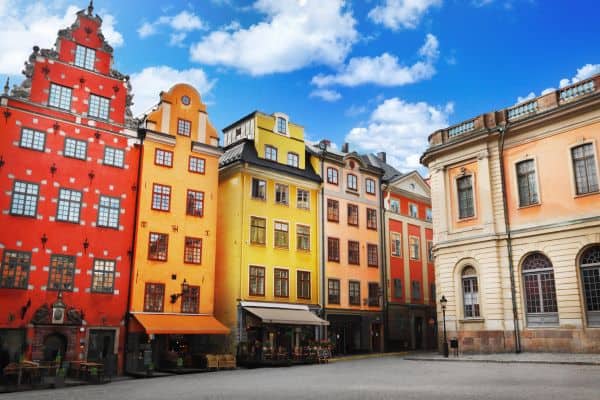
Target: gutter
(324, 313)
(384, 282)
(509, 248)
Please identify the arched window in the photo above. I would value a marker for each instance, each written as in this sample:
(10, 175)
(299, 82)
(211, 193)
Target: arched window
(589, 264)
(470, 292)
(540, 293)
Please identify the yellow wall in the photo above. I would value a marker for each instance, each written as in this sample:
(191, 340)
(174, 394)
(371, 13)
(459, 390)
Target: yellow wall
(176, 223)
(266, 135)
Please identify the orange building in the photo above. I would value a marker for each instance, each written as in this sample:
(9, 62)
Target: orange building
(172, 286)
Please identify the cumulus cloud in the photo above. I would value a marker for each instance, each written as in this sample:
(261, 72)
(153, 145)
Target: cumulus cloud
(294, 34)
(583, 73)
(530, 96)
(384, 70)
(179, 24)
(150, 81)
(400, 128)
(37, 23)
(326, 95)
(401, 14)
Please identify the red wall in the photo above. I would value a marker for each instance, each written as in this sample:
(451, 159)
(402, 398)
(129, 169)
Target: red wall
(396, 263)
(416, 266)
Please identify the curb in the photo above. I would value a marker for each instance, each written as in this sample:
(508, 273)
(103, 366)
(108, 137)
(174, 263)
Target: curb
(366, 356)
(593, 363)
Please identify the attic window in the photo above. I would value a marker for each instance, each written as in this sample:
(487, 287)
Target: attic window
(85, 57)
(281, 125)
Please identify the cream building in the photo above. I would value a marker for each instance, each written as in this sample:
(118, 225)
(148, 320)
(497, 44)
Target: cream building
(516, 215)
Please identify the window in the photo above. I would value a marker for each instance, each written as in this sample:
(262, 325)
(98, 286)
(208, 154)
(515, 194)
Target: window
(190, 300)
(414, 247)
(354, 293)
(395, 206)
(303, 281)
(163, 157)
(281, 234)
(540, 293)
(158, 246)
(470, 292)
(292, 160)
(430, 251)
(99, 107)
(24, 199)
(526, 183)
(184, 127)
(85, 57)
(259, 189)
(303, 237)
(161, 197)
(396, 244)
(281, 282)
(333, 249)
(584, 166)
(281, 194)
(60, 97)
(109, 209)
(372, 256)
(103, 276)
(69, 205)
(31, 139)
(270, 153)
(416, 290)
(196, 164)
(428, 215)
(257, 281)
(195, 203)
(397, 287)
(333, 210)
(370, 186)
(114, 157)
(466, 207)
(413, 210)
(258, 230)
(332, 176)
(352, 214)
(371, 218)
(75, 148)
(373, 294)
(353, 252)
(61, 273)
(192, 253)
(589, 264)
(303, 199)
(154, 297)
(14, 271)
(351, 182)
(333, 291)
(281, 125)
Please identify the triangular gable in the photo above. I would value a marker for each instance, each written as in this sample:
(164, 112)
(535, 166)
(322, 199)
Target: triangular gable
(412, 182)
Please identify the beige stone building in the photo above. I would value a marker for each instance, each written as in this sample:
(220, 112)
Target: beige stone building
(516, 216)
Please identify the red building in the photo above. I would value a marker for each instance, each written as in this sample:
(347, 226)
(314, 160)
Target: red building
(68, 173)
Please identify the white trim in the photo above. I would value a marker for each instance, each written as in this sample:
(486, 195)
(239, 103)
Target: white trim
(580, 142)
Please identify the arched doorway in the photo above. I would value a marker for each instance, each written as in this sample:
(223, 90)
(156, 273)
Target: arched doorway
(55, 344)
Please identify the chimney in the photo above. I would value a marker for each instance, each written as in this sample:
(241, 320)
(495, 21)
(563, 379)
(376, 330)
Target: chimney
(345, 147)
(381, 156)
(324, 144)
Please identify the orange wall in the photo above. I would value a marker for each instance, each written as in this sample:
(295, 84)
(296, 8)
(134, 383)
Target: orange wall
(453, 173)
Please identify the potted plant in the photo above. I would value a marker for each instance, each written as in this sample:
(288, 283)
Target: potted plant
(59, 378)
(150, 369)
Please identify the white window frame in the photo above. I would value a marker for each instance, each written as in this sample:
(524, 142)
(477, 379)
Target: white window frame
(570, 158)
(99, 107)
(86, 62)
(32, 139)
(270, 151)
(116, 159)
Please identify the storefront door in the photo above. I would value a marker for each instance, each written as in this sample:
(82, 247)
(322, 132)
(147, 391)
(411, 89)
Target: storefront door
(101, 348)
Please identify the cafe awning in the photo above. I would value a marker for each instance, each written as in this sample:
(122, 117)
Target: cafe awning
(177, 324)
(284, 316)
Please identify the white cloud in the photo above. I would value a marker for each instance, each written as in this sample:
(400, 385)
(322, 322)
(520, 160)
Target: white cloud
(293, 35)
(23, 25)
(355, 110)
(149, 82)
(521, 99)
(400, 129)
(402, 14)
(384, 70)
(548, 90)
(180, 24)
(584, 72)
(326, 94)
(147, 29)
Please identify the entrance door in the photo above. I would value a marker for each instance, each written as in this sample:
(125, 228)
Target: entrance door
(376, 337)
(101, 348)
(55, 345)
(418, 333)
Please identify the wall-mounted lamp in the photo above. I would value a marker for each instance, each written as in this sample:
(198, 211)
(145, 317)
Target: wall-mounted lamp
(184, 289)
(44, 240)
(25, 308)
(2, 162)
(53, 169)
(86, 244)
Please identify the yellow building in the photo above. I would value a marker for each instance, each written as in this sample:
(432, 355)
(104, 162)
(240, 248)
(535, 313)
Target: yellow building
(268, 279)
(172, 285)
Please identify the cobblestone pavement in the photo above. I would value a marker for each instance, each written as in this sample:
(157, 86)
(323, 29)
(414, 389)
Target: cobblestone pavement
(537, 358)
(383, 378)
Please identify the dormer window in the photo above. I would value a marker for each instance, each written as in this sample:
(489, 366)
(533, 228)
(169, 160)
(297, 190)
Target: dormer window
(271, 153)
(282, 125)
(85, 57)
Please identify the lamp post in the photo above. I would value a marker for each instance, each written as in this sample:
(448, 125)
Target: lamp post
(443, 303)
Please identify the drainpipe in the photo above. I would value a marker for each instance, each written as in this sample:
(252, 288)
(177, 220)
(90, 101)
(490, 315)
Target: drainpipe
(509, 248)
(384, 283)
(323, 241)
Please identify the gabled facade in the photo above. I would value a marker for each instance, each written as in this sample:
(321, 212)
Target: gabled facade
(516, 224)
(172, 290)
(267, 253)
(68, 171)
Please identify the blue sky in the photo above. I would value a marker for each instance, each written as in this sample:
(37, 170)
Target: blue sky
(380, 74)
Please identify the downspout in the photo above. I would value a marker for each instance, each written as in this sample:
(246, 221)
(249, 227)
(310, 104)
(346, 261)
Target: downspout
(324, 314)
(384, 282)
(509, 248)
(141, 136)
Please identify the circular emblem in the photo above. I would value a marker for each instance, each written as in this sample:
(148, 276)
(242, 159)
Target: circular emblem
(185, 100)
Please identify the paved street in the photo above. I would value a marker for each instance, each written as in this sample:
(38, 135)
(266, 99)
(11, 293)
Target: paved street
(383, 378)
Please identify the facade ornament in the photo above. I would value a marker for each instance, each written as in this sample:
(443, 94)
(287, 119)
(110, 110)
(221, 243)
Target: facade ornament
(49, 53)
(90, 9)
(74, 316)
(41, 315)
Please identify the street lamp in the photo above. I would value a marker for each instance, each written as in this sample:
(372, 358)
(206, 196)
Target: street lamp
(443, 303)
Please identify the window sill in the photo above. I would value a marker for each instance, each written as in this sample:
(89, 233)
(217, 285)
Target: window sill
(577, 196)
(466, 219)
(354, 192)
(529, 206)
(471, 320)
